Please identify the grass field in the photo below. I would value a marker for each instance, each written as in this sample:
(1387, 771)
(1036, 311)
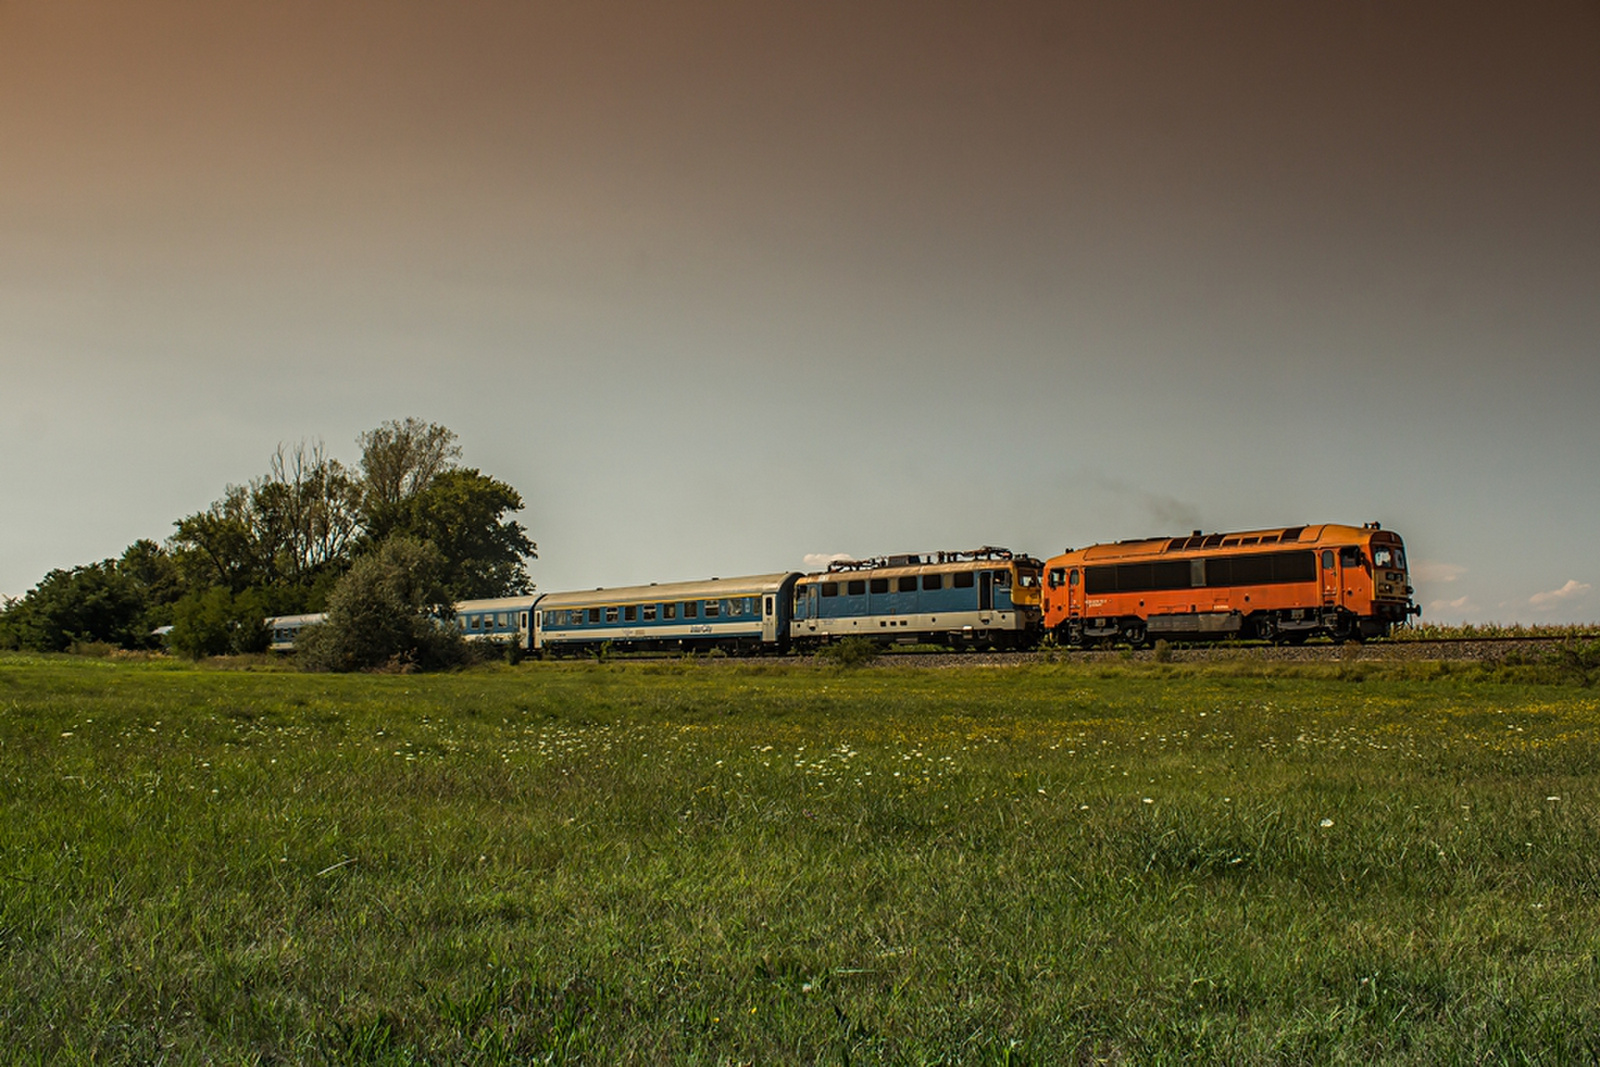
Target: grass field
(731, 863)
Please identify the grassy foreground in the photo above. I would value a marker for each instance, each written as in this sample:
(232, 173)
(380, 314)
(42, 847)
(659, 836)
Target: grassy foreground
(719, 863)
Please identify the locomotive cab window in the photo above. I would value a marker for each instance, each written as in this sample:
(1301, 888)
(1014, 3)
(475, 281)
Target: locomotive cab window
(1074, 577)
(1389, 557)
(1058, 577)
(1002, 578)
(1327, 559)
(1350, 557)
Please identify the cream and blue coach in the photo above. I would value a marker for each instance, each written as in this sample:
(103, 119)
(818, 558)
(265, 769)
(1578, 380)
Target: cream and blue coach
(732, 614)
(504, 619)
(285, 629)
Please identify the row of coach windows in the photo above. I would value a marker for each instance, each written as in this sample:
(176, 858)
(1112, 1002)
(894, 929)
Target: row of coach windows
(1273, 568)
(500, 621)
(908, 583)
(732, 607)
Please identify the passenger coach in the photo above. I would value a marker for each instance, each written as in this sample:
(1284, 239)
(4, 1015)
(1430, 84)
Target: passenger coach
(731, 614)
(988, 598)
(1279, 585)
(504, 619)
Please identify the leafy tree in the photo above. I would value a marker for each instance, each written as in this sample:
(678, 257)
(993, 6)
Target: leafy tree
(96, 602)
(216, 621)
(398, 461)
(464, 513)
(387, 611)
(289, 528)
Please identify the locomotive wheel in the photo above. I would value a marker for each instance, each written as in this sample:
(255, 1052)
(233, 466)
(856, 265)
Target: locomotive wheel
(1267, 629)
(1134, 634)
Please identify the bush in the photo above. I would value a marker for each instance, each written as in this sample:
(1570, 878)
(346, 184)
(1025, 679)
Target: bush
(851, 652)
(215, 622)
(389, 611)
(1578, 661)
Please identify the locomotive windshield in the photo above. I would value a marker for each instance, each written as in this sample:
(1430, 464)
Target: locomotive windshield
(1389, 557)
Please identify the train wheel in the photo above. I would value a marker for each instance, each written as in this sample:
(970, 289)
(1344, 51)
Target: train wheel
(1267, 629)
(1134, 633)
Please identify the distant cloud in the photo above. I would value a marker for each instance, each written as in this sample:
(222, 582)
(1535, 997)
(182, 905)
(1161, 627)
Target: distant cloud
(1460, 607)
(817, 561)
(1432, 570)
(1574, 590)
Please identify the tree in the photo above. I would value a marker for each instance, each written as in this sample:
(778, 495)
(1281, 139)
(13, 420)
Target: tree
(398, 461)
(95, 603)
(289, 528)
(216, 621)
(388, 610)
(464, 513)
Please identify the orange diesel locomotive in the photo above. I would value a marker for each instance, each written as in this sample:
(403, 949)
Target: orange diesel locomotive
(1347, 582)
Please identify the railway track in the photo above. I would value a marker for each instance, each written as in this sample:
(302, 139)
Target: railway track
(1418, 648)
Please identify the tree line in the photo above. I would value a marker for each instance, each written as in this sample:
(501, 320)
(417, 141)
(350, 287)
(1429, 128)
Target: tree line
(380, 546)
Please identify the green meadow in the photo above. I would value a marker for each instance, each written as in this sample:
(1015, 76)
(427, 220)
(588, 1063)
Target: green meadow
(720, 863)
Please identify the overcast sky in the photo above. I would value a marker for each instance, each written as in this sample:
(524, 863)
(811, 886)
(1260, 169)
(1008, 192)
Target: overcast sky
(720, 285)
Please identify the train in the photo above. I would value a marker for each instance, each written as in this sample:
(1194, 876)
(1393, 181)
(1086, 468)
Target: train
(1283, 585)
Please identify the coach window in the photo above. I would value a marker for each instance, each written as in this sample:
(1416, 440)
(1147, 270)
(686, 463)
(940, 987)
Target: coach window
(594, 614)
(880, 585)
(830, 588)
(630, 614)
(461, 622)
(931, 582)
(691, 608)
(504, 618)
(712, 609)
(669, 611)
(649, 613)
(611, 615)
(1058, 577)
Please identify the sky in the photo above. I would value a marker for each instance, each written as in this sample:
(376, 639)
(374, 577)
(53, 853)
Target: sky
(721, 286)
